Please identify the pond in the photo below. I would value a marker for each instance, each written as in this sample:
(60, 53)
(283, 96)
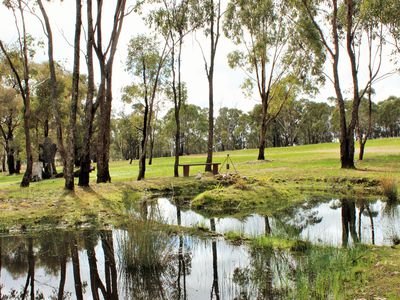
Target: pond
(336, 222)
(133, 264)
(144, 262)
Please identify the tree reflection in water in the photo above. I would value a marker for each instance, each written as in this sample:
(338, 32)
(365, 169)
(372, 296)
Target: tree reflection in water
(268, 275)
(151, 265)
(215, 286)
(348, 222)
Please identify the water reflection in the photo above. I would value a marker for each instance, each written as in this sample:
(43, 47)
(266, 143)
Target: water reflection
(341, 222)
(137, 263)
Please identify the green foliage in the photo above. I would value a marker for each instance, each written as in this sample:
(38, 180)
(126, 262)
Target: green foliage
(323, 272)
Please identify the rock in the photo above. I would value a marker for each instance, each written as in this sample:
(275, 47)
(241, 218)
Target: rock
(198, 176)
(37, 171)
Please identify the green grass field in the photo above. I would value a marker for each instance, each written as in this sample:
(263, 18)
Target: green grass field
(311, 166)
(281, 180)
(382, 159)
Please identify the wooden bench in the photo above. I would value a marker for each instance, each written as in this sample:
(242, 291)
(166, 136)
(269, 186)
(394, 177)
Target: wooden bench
(186, 167)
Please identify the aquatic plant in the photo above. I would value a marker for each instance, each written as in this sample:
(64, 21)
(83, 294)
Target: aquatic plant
(323, 272)
(389, 188)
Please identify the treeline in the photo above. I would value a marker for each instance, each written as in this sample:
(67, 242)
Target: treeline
(300, 122)
(283, 48)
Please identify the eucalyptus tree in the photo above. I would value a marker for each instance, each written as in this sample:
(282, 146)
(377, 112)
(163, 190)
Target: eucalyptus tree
(90, 107)
(105, 54)
(338, 22)
(175, 19)
(212, 26)
(54, 95)
(390, 11)
(22, 77)
(70, 158)
(371, 29)
(271, 55)
(146, 63)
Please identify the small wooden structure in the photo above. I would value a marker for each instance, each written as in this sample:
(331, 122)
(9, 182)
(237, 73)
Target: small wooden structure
(186, 167)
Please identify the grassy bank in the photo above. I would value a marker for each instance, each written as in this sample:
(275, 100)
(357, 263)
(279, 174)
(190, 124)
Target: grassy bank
(290, 175)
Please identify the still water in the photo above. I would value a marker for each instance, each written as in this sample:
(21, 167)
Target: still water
(143, 262)
(336, 222)
(136, 264)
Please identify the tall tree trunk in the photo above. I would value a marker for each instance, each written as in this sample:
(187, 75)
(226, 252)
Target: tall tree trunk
(177, 106)
(53, 79)
(210, 139)
(214, 38)
(142, 157)
(103, 144)
(70, 160)
(84, 174)
(143, 144)
(27, 114)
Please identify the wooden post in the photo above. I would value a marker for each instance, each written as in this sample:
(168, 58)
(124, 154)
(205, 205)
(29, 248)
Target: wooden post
(186, 170)
(215, 169)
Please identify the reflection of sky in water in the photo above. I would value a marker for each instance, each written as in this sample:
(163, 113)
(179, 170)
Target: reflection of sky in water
(320, 224)
(198, 282)
(252, 225)
(329, 230)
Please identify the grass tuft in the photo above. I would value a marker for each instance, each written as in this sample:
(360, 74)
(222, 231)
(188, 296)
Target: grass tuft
(389, 188)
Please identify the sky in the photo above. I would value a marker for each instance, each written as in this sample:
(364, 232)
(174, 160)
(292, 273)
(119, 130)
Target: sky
(227, 81)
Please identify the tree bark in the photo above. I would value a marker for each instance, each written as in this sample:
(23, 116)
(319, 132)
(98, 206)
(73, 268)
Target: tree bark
(152, 133)
(106, 66)
(263, 126)
(84, 174)
(214, 38)
(143, 144)
(70, 159)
